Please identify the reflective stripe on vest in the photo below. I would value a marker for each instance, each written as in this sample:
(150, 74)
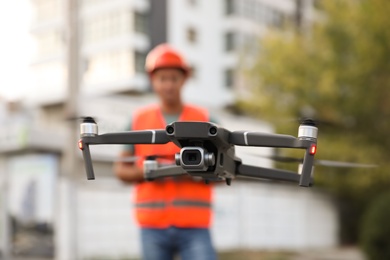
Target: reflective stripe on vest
(175, 203)
(191, 203)
(151, 205)
(167, 202)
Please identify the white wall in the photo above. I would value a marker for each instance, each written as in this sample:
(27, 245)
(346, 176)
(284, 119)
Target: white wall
(206, 17)
(247, 215)
(262, 215)
(106, 226)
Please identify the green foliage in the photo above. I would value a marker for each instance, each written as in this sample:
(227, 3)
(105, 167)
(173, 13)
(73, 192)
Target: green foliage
(375, 234)
(339, 71)
(340, 68)
(252, 255)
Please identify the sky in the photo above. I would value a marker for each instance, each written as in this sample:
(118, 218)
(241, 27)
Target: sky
(16, 49)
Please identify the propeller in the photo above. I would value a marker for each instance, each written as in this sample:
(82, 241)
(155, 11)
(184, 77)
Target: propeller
(84, 119)
(317, 122)
(327, 163)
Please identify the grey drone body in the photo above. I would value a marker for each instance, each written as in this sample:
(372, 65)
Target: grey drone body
(207, 150)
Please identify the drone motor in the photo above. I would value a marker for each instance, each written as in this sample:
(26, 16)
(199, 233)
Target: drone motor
(307, 130)
(88, 127)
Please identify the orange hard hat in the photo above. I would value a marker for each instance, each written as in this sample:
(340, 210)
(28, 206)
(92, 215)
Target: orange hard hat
(164, 56)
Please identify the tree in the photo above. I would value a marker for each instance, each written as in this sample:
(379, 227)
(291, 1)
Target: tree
(376, 229)
(338, 71)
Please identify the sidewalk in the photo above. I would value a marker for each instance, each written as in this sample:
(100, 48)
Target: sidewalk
(348, 253)
(27, 258)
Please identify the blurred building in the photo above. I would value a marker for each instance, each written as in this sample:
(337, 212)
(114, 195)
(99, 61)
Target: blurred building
(115, 36)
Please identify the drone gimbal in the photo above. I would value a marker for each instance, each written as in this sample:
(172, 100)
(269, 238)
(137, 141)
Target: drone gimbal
(207, 151)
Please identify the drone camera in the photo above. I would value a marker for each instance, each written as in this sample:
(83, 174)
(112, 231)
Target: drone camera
(194, 159)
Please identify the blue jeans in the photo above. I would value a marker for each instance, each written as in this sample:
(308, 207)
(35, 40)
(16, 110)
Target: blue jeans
(188, 243)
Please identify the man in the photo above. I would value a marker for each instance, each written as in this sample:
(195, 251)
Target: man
(173, 213)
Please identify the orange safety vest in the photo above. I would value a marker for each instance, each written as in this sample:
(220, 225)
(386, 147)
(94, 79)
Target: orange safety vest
(168, 202)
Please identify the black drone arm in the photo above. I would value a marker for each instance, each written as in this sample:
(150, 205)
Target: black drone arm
(131, 137)
(307, 166)
(267, 173)
(165, 171)
(244, 138)
(87, 160)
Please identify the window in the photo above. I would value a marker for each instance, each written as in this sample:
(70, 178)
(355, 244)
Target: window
(47, 10)
(49, 43)
(85, 63)
(191, 35)
(109, 66)
(229, 7)
(248, 8)
(49, 74)
(229, 41)
(192, 3)
(229, 78)
(106, 27)
(276, 19)
(260, 12)
(194, 72)
(139, 62)
(88, 3)
(251, 43)
(141, 23)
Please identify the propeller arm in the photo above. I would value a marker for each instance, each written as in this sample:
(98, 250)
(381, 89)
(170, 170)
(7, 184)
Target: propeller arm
(166, 171)
(343, 164)
(281, 141)
(267, 173)
(133, 137)
(246, 138)
(130, 137)
(307, 169)
(87, 160)
(327, 163)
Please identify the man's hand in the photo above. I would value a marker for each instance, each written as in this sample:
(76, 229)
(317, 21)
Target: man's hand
(128, 172)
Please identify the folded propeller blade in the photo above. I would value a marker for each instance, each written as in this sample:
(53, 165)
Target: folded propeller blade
(343, 164)
(327, 163)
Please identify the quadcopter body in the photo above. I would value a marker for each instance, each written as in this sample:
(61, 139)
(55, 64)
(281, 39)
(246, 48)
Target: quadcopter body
(207, 150)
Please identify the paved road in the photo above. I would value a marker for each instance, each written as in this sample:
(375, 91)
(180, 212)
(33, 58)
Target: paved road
(351, 253)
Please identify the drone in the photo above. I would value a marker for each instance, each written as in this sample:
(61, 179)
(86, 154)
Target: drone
(207, 150)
